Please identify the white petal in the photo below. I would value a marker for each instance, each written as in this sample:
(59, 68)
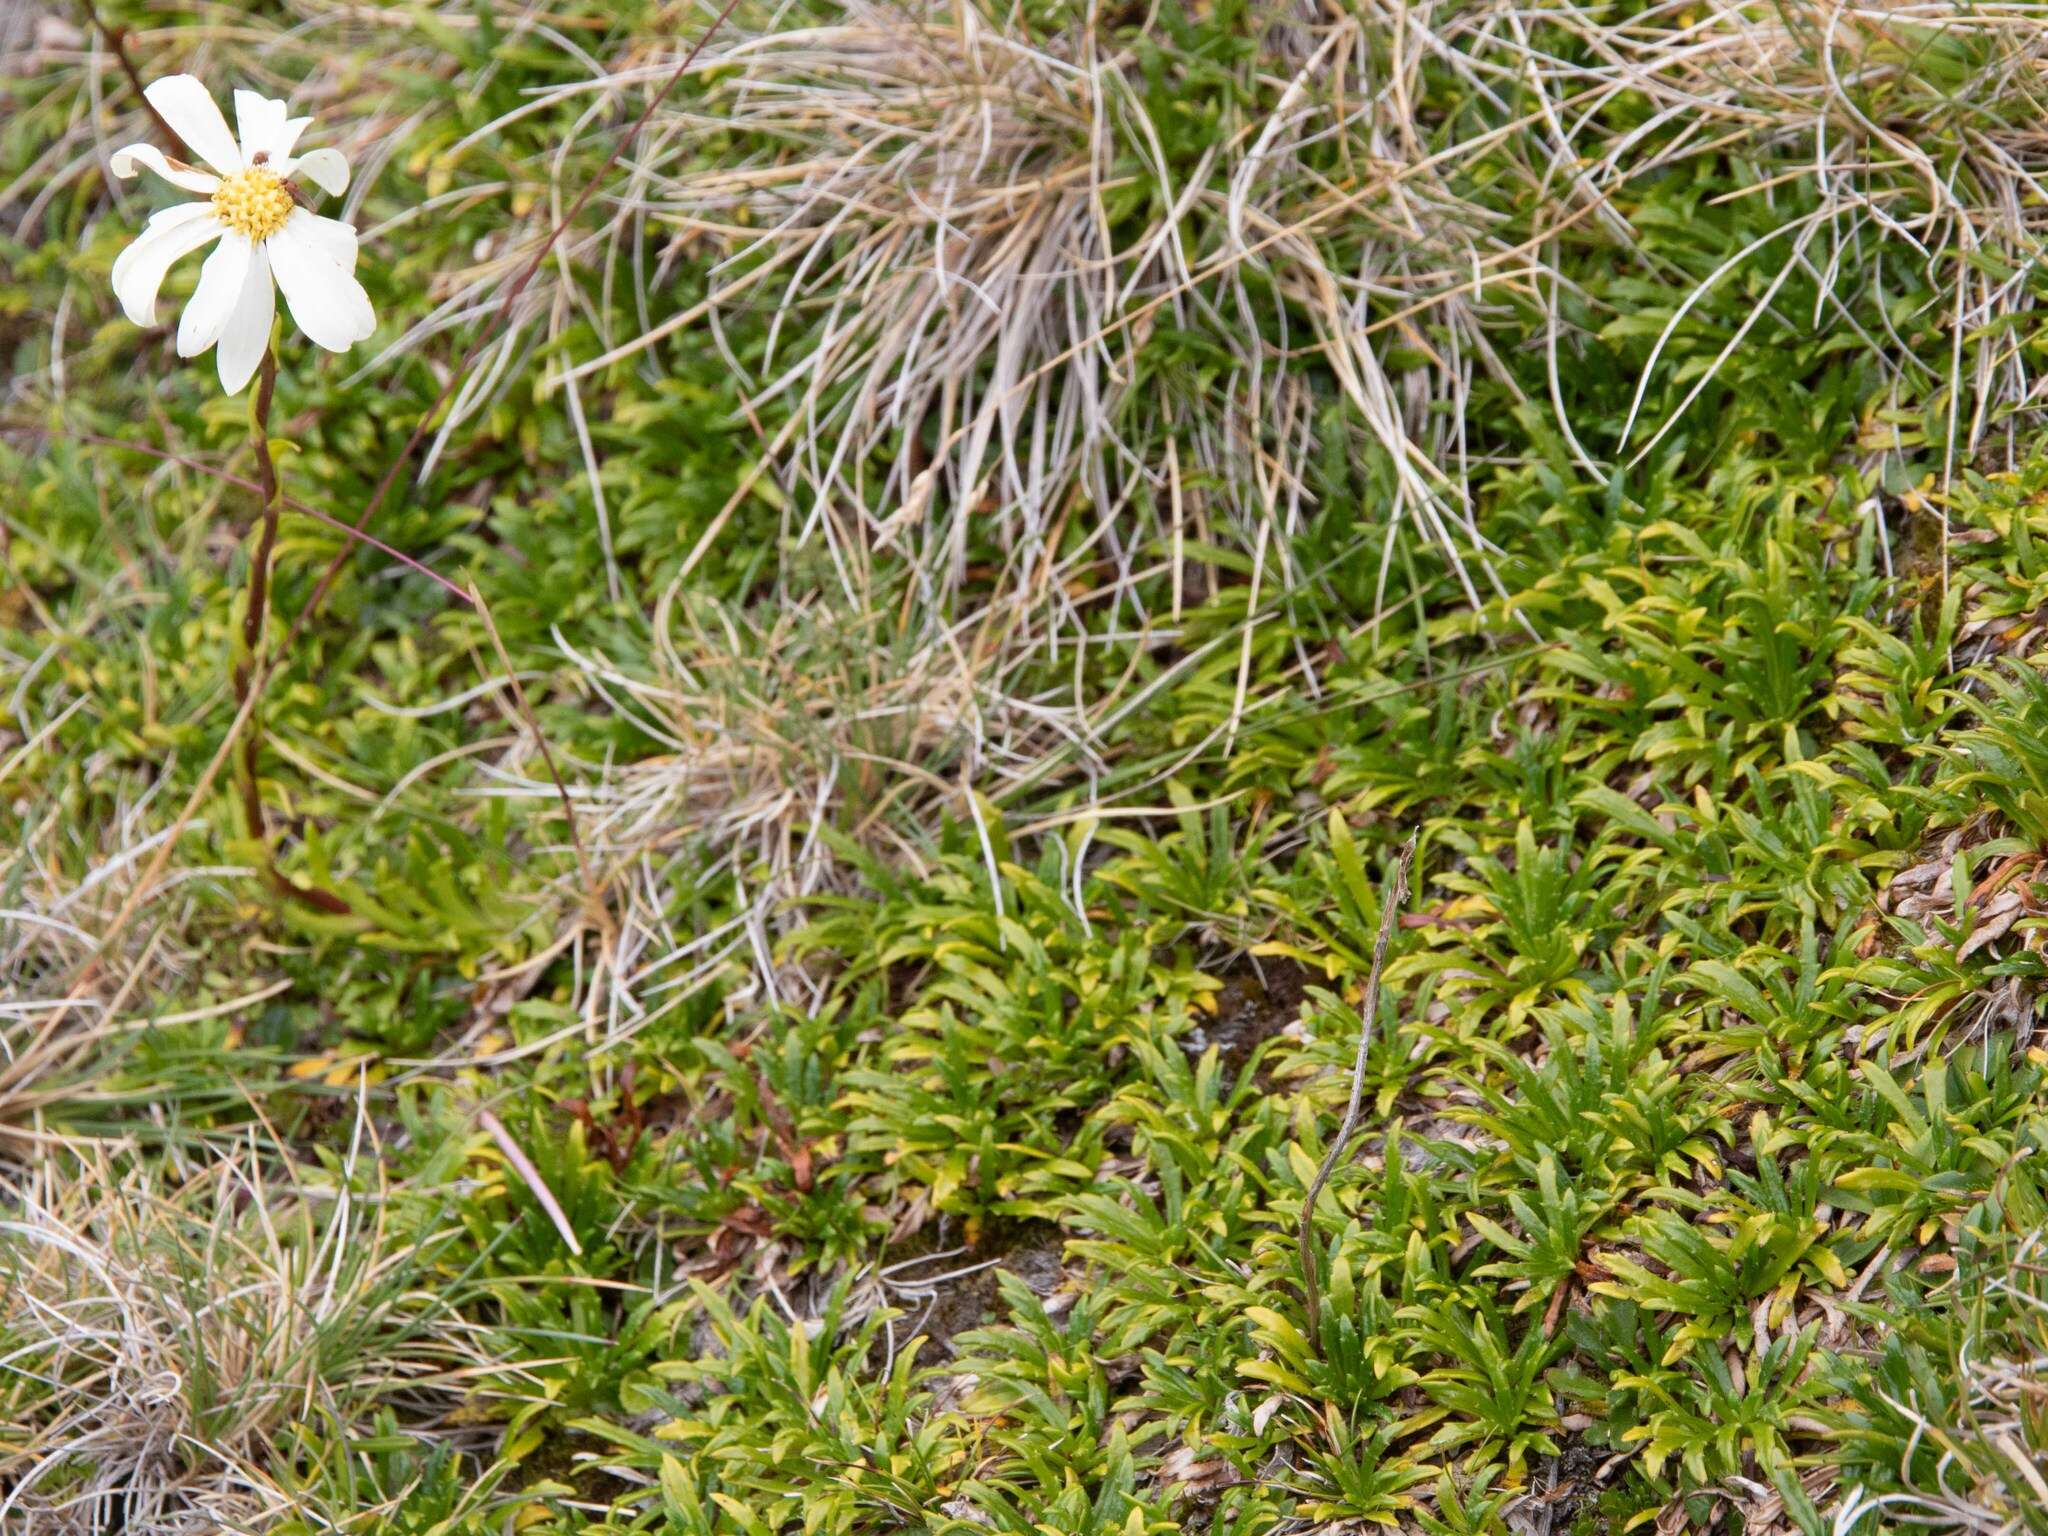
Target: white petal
(327, 303)
(268, 134)
(325, 168)
(176, 172)
(282, 154)
(177, 213)
(139, 270)
(258, 120)
(335, 240)
(187, 106)
(160, 221)
(220, 285)
(248, 329)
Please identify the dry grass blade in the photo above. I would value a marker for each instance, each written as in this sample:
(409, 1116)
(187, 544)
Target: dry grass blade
(530, 1177)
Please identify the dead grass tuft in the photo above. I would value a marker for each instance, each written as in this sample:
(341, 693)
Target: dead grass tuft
(172, 1329)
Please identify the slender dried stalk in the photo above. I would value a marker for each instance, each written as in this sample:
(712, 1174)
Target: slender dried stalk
(593, 890)
(117, 39)
(1390, 909)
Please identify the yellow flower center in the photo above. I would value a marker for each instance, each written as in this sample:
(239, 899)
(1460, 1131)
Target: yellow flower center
(253, 202)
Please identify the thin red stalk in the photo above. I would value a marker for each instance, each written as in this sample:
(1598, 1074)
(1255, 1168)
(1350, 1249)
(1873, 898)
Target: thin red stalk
(259, 596)
(503, 317)
(248, 690)
(117, 39)
(590, 885)
(303, 509)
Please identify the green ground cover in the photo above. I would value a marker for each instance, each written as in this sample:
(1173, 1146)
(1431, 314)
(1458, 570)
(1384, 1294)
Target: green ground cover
(840, 921)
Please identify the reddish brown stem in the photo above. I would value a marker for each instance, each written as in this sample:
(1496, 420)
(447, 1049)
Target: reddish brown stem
(252, 640)
(200, 466)
(266, 478)
(259, 591)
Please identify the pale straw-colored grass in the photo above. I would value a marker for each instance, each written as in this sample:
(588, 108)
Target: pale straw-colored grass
(178, 1330)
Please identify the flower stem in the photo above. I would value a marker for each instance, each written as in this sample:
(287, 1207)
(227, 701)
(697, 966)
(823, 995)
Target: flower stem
(259, 594)
(250, 649)
(266, 477)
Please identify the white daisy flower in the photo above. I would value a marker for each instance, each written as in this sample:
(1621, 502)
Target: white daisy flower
(267, 239)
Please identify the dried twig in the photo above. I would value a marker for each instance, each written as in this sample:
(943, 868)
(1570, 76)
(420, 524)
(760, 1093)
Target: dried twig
(117, 39)
(1390, 907)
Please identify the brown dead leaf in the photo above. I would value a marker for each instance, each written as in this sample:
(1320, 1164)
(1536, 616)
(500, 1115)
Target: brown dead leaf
(2005, 909)
(1182, 1468)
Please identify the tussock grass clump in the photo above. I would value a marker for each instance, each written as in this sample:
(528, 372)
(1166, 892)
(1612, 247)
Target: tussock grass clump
(179, 1335)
